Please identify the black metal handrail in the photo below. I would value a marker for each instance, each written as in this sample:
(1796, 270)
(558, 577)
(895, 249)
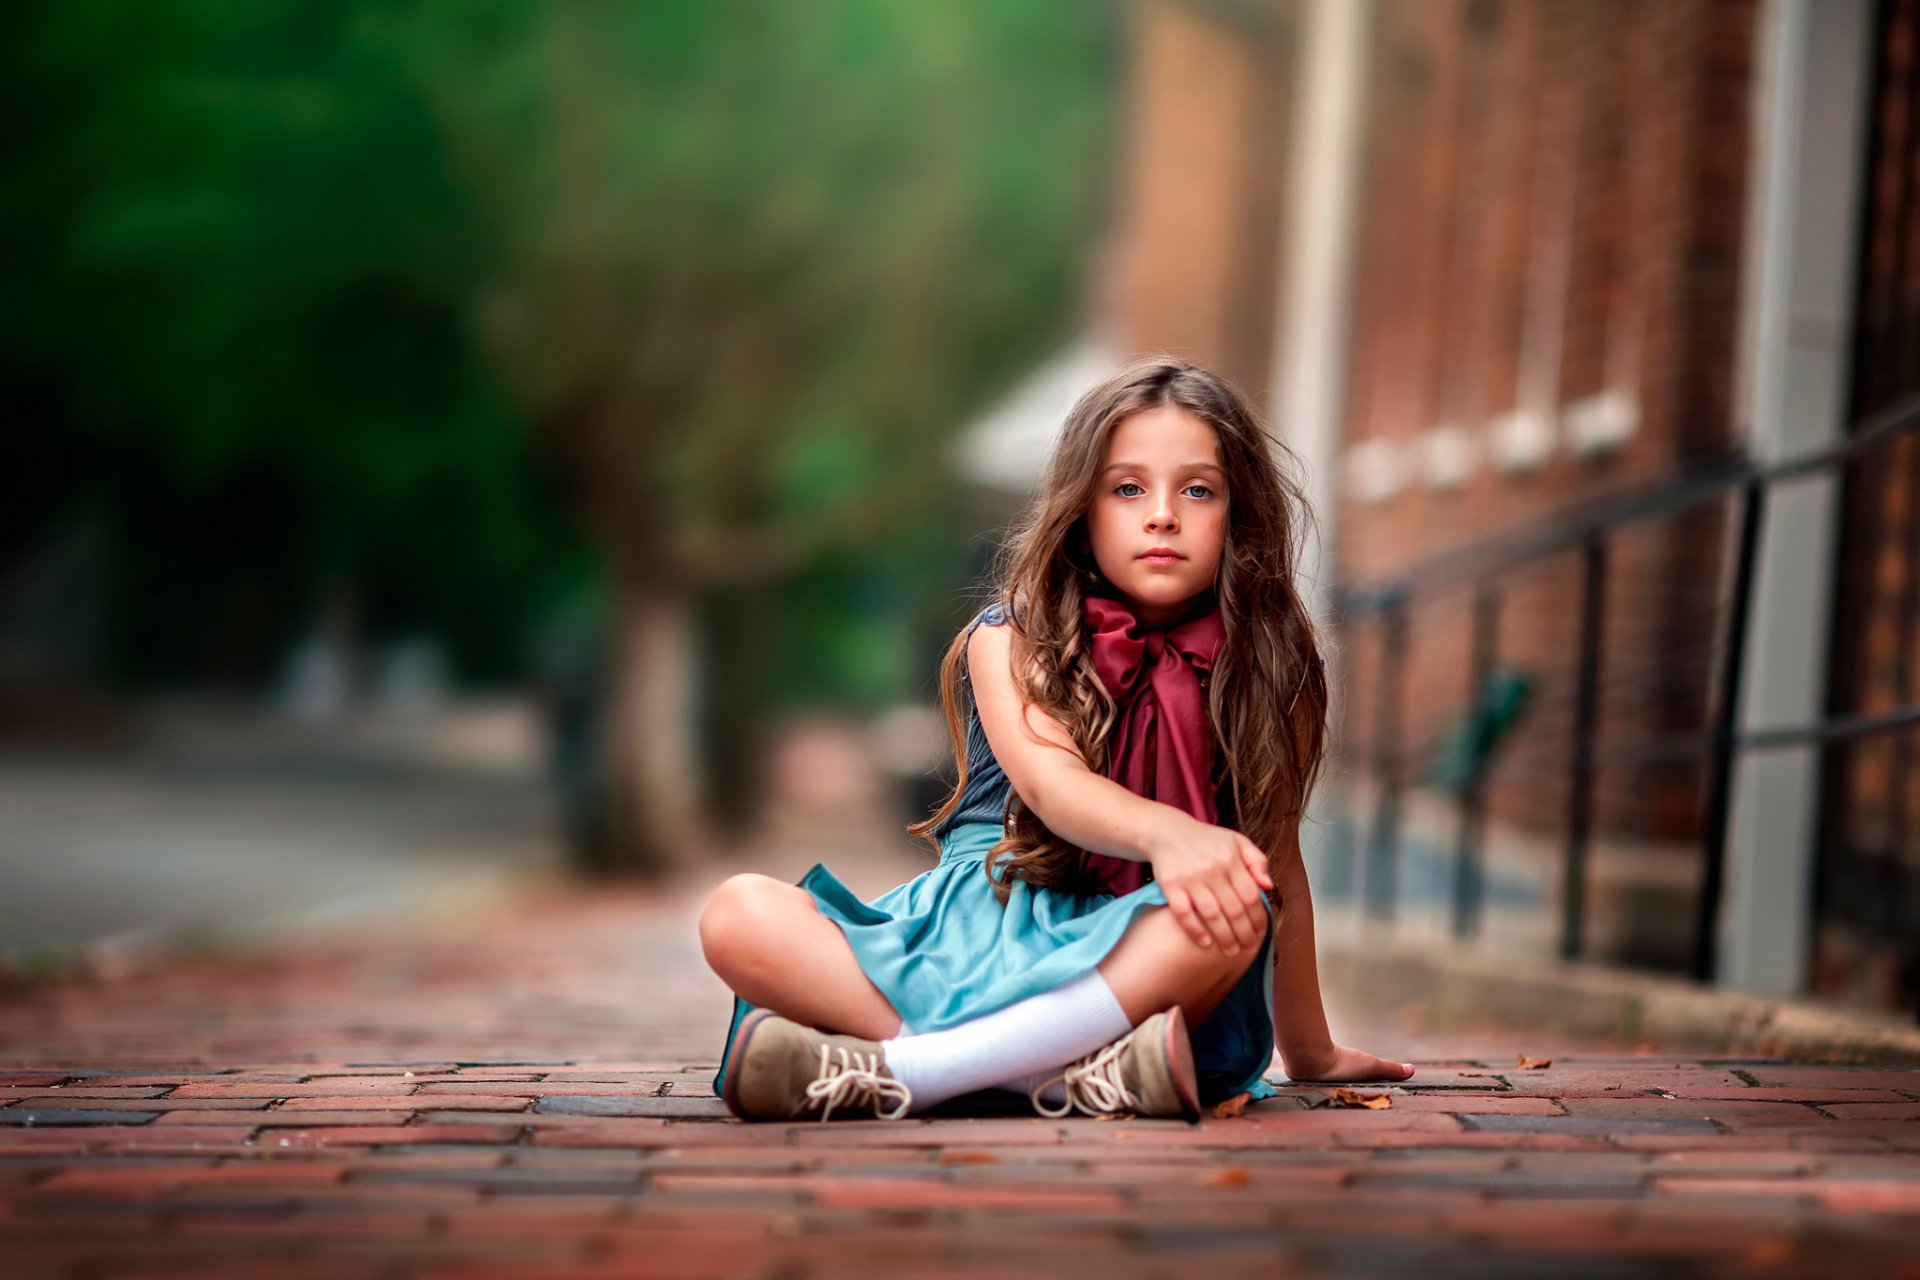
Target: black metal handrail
(1556, 535)
(1587, 530)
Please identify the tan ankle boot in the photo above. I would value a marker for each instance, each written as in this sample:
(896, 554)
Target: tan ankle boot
(1147, 1072)
(781, 1070)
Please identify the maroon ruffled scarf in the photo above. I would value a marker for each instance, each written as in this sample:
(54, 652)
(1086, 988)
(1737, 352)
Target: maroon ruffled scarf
(1161, 746)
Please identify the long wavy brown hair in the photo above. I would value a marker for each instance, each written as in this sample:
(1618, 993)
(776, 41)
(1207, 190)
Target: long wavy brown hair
(1267, 701)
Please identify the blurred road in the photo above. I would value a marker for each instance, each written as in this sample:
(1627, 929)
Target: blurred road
(216, 822)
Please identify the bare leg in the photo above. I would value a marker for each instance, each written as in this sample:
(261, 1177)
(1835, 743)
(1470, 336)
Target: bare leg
(768, 942)
(1202, 1009)
(1155, 964)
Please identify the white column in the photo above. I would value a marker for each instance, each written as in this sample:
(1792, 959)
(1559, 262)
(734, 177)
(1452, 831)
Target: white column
(1812, 80)
(1324, 151)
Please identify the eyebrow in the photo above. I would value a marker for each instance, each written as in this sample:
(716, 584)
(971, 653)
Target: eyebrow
(1188, 466)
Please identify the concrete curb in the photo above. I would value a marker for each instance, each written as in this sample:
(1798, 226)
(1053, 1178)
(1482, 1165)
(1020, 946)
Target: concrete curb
(1442, 988)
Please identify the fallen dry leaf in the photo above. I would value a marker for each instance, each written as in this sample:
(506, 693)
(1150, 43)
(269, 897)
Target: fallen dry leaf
(1371, 1101)
(1534, 1064)
(1354, 1098)
(1232, 1106)
(1227, 1178)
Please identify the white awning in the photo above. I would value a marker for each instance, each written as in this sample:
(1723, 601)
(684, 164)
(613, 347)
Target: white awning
(1007, 447)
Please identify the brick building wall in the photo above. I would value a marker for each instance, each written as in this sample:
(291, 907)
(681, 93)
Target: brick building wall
(1545, 312)
(1191, 265)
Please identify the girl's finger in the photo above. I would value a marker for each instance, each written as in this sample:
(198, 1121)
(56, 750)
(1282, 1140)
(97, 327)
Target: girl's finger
(1381, 1069)
(1246, 889)
(1240, 896)
(1185, 916)
(1257, 863)
(1240, 913)
(1233, 912)
(1256, 918)
(1209, 909)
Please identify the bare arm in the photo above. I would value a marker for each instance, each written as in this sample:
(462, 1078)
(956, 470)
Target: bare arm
(1299, 1017)
(1047, 769)
(1307, 1048)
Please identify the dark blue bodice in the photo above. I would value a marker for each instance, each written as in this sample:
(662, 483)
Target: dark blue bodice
(985, 799)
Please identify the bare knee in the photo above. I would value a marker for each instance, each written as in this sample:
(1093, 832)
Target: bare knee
(739, 920)
(1158, 963)
(1203, 962)
(1206, 975)
(1211, 966)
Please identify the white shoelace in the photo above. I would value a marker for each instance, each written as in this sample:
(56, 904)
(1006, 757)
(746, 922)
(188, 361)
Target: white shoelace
(857, 1082)
(1092, 1084)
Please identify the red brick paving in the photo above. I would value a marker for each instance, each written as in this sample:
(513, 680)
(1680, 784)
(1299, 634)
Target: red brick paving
(529, 1098)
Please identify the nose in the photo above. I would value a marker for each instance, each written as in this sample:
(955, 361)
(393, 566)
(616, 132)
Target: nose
(1161, 517)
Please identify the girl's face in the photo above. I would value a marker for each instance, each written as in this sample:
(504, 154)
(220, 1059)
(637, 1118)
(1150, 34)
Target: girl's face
(1158, 521)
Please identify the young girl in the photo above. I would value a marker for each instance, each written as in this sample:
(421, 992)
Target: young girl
(1144, 715)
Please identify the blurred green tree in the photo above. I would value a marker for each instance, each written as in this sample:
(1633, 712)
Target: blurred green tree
(240, 278)
(356, 275)
(755, 260)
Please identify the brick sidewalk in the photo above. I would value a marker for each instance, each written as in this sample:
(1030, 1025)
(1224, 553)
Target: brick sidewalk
(530, 1099)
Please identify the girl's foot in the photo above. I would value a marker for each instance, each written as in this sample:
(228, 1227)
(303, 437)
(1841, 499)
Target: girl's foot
(781, 1070)
(1147, 1072)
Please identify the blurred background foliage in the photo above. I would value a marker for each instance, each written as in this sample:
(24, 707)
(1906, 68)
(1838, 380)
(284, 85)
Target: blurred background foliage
(420, 317)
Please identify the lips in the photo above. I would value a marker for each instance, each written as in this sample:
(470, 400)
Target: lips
(1161, 555)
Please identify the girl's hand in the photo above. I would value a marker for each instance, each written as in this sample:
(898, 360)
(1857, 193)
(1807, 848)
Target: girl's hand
(1214, 878)
(1346, 1065)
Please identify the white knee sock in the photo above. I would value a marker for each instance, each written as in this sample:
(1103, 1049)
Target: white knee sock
(1053, 1095)
(1037, 1034)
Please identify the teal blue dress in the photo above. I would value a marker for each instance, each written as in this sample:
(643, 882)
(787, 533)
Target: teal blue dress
(944, 951)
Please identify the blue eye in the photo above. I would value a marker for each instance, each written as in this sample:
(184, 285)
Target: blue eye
(1205, 490)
